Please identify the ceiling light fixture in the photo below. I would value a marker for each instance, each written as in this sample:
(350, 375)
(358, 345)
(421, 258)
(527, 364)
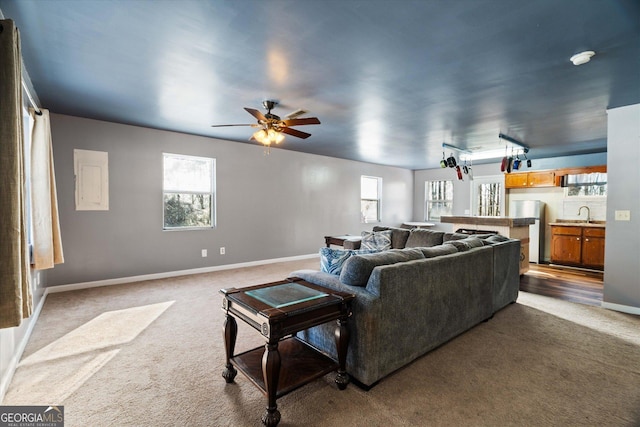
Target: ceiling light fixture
(268, 136)
(582, 57)
(514, 146)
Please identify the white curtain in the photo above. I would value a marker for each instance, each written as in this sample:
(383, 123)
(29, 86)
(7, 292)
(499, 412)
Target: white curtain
(47, 244)
(16, 300)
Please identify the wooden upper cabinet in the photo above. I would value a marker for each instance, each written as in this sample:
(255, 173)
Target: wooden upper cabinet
(515, 180)
(529, 179)
(541, 179)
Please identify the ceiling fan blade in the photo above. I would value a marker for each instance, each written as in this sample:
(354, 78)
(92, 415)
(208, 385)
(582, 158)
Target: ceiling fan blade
(255, 113)
(222, 126)
(295, 114)
(296, 133)
(304, 121)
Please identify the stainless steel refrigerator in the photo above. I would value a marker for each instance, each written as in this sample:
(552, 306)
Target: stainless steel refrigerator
(529, 209)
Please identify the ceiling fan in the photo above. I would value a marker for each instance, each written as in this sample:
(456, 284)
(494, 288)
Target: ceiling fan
(272, 127)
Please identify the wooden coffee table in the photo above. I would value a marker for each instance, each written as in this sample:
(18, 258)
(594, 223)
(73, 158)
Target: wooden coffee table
(278, 310)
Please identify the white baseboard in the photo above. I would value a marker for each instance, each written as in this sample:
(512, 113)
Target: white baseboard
(121, 280)
(17, 354)
(622, 308)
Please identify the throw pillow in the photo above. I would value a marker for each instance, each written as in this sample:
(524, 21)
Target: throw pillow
(332, 260)
(399, 236)
(376, 240)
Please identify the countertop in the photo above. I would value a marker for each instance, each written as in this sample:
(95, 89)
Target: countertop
(579, 223)
(501, 221)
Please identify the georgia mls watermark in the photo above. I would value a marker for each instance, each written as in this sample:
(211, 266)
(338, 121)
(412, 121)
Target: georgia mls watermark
(31, 416)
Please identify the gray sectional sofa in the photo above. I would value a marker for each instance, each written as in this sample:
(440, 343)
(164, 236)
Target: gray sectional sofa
(411, 300)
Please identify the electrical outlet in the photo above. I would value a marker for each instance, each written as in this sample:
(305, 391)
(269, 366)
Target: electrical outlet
(222, 250)
(204, 253)
(623, 215)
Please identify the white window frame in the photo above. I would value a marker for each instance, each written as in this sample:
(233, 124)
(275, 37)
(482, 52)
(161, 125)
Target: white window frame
(428, 201)
(377, 200)
(493, 179)
(211, 193)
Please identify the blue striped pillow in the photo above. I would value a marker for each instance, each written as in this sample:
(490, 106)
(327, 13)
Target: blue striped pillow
(331, 260)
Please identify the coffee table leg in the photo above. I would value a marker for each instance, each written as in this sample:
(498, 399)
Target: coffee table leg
(342, 344)
(230, 329)
(271, 374)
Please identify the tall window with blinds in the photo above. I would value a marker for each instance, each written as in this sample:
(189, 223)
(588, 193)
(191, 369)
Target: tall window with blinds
(490, 199)
(370, 197)
(438, 199)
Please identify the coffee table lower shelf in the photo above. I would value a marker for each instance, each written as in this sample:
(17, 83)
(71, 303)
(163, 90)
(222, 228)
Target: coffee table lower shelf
(300, 364)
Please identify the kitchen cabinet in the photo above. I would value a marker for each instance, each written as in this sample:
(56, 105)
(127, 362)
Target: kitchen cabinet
(593, 247)
(581, 246)
(529, 179)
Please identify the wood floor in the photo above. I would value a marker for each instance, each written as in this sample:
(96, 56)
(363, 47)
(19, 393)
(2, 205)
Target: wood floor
(581, 286)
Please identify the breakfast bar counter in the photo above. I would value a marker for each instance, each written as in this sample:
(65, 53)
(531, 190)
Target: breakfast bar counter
(516, 228)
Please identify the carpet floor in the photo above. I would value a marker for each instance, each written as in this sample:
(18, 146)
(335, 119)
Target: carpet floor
(151, 354)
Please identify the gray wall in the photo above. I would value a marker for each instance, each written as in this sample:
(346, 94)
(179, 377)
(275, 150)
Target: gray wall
(268, 206)
(622, 250)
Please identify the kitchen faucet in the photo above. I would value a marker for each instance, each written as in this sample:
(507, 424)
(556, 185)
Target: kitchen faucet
(588, 212)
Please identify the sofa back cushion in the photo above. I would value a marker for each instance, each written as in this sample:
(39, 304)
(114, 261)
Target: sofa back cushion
(332, 260)
(357, 269)
(399, 236)
(496, 238)
(465, 244)
(421, 238)
(439, 250)
(454, 236)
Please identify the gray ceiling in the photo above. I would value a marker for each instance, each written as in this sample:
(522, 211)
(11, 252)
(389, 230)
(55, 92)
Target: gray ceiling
(389, 80)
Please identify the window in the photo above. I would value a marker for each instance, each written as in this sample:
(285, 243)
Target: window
(586, 184)
(439, 199)
(188, 191)
(370, 198)
(487, 196)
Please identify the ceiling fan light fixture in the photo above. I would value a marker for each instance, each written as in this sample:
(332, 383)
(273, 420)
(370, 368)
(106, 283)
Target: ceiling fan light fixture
(582, 57)
(268, 136)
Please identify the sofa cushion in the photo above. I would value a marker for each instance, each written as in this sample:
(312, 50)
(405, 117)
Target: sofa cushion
(399, 236)
(496, 238)
(421, 238)
(377, 240)
(454, 236)
(332, 260)
(473, 242)
(439, 250)
(465, 244)
(358, 268)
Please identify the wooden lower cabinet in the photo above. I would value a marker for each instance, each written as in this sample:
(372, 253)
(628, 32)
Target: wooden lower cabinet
(593, 247)
(578, 246)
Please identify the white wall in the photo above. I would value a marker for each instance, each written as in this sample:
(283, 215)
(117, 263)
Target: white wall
(622, 245)
(268, 206)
